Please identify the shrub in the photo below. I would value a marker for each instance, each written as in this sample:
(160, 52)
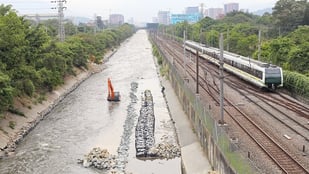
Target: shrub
(12, 124)
(296, 83)
(29, 87)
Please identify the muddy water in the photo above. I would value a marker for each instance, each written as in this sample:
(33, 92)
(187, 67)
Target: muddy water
(84, 120)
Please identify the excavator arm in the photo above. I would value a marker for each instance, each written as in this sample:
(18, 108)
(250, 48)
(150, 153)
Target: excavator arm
(112, 96)
(111, 93)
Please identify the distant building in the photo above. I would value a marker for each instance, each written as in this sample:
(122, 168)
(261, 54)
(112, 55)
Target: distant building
(116, 19)
(192, 10)
(190, 18)
(155, 20)
(152, 26)
(215, 13)
(230, 7)
(164, 17)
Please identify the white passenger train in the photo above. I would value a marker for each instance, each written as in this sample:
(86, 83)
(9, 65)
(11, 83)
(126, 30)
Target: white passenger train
(263, 75)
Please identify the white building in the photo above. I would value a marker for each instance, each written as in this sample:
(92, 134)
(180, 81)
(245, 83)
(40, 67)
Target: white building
(116, 19)
(164, 17)
(215, 13)
(230, 7)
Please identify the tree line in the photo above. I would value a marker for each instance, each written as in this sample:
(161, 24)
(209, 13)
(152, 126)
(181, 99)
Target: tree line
(284, 37)
(33, 61)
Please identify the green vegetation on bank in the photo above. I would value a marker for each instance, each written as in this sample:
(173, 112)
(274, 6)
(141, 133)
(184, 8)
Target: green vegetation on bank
(157, 54)
(284, 38)
(33, 61)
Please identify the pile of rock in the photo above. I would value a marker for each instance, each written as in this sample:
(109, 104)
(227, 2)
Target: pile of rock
(100, 159)
(144, 132)
(165, 150)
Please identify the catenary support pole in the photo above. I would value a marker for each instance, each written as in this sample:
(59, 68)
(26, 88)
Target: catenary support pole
(221, 80)
(197, 72)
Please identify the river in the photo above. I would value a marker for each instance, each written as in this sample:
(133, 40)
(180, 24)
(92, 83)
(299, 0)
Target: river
(85, 119)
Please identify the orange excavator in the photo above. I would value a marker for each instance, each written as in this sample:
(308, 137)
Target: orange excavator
(112, 96)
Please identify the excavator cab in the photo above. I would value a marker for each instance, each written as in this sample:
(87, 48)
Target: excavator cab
(112, 96)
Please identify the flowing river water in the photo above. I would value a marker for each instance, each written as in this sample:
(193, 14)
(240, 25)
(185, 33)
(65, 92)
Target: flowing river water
(85, 119)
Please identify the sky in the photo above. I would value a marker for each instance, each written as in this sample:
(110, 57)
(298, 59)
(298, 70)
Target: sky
(139, 10)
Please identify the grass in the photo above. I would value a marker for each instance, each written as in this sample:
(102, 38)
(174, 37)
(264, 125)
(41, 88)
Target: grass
(235, 160)
(16, 111)
(39, 99)
(12, 124)
(164, 70)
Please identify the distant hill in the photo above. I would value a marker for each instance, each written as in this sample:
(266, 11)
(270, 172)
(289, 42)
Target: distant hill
(77, 20)
(261, 12)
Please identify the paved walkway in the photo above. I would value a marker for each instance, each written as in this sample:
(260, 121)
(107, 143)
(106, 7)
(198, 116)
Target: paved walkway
(193, 157)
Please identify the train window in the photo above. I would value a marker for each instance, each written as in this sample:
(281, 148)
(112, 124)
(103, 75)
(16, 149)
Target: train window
(272, 71)
(257, 73)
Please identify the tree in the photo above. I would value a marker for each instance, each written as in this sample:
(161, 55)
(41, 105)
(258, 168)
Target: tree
(237, 17)
(279, 50)
(6, 92)
(212, 38)
(206, 23)
(100, 23)
(306, 15)
(298, 58)
(5, 9)
(243, 39)
(51, 27)
(37, 39)
(13, 44)
(288, 14)
(79, 50)
(70, 28)
(299, 53)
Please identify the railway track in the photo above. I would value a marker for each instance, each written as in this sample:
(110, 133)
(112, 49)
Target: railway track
(284, 118)
(273, 102)
(286, 162)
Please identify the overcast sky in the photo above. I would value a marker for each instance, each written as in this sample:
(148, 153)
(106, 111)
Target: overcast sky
(139, 10)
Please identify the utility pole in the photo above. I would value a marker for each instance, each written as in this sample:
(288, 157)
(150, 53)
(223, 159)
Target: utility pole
(201, 32)
(259, 48)
(228, 37)
(222, 122)
(197, 72)
(95, 24)
(197, 63)
(60, 7)
(184, 51)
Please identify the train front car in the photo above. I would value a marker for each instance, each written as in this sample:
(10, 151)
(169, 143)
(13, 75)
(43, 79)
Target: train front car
(260, 74)
(273, 77)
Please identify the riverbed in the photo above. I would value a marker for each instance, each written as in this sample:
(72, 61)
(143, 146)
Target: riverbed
(85, 119)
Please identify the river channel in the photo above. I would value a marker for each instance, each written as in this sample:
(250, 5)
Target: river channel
(85, 119)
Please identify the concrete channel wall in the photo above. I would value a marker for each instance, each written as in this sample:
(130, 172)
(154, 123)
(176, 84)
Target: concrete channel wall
(221, 150)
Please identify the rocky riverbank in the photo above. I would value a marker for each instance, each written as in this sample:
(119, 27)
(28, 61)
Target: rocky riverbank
(145, 145)
(144, 132)
(35, 112)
